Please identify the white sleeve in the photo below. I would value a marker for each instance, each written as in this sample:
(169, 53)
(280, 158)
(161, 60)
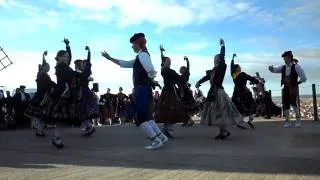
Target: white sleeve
(126, 64)
(277, 69)
(145, 61)
(301, 73)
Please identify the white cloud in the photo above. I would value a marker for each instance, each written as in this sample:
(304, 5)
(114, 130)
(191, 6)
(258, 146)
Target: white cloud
(91, 5)
(52, 13)
(193, 46)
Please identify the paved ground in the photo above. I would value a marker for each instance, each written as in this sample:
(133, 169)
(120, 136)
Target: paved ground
(269, 152)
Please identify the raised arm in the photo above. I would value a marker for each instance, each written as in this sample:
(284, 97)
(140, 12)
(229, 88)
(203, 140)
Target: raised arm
(188, 64)
(301, 74)
(222, 50)
(68, 49)
(89, 54)
(45, 53)
(232, 66)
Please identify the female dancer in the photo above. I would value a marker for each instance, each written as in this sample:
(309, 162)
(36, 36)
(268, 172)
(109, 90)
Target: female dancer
(44, 84)
(219, 110)
(242, 96)
(186, 93)
(170, 110)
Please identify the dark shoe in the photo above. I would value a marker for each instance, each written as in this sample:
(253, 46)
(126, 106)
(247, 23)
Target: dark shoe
(89, 131)
(191, 124)
(57, 142)
(169, 135)
(184, 124)
(40, 134)
(218, 137)
(224, 136)
(241, 127)
(251, 125)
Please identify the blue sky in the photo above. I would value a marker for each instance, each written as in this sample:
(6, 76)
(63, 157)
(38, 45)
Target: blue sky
(258, 31)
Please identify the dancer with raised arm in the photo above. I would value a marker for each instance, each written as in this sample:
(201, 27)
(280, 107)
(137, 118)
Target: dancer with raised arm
(143, 80)
(290, 72)
(170, 109)
(219, 110)
(186, 96)
(44, 85)
(242, 96)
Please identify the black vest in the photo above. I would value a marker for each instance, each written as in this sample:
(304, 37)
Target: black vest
(293, 75)
(140, 75)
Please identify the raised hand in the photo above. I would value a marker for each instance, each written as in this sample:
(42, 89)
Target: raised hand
(45, 53)
(106, 55)
(161, 48)
(87, 48)
(271, 68)
(234, 55)
(221, 42)
(66, 41)
(185, 58)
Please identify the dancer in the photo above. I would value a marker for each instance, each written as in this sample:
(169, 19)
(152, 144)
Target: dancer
(44, 85)
(219, 110)
(121, 108)
(242, 96)
(170, 109)
(61, 93)
(290, 72)
(143, 80)
(107, 107)
(186, 94)
(89, 107)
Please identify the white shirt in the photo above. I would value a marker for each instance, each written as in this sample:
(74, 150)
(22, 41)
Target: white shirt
(298, 68)
(145, 61)
(23, 97)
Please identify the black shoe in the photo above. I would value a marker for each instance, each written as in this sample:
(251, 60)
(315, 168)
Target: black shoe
(57, 142)
(251, 125)
(224, 136)
(184, 124)
(169, 135)
(40, 134)
(218, 137)
(241, 127)
(191, 124)
(89, 131)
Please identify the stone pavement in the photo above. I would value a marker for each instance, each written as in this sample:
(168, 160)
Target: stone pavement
(268, 152)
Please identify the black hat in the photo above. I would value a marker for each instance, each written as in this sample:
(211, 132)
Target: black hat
(22, 87)
(136, 36)
(287, 53)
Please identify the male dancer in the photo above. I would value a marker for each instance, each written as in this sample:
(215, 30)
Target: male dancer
(290, 72)
(143, 80)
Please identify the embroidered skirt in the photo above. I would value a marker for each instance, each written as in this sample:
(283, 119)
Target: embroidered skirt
(220, 111)
(169, 109)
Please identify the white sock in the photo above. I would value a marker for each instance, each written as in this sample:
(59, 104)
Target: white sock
(155, 127)
(296, 110)
(148, 130)
(287, 114)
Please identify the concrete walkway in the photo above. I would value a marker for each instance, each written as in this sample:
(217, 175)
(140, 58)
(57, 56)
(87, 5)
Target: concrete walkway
(268, 152)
